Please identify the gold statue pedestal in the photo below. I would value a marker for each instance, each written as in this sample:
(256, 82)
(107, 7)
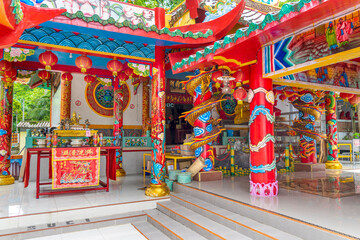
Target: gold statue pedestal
(154, 190)
(7, 180)
(333, 165)
(120, 172)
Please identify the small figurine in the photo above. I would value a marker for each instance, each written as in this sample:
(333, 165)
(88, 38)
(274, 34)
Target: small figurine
(101, 139)
(95, 140)
(48, 140)
(67, 123)
(87, 123)
(62, 124)
(55, 140)
(75, 120)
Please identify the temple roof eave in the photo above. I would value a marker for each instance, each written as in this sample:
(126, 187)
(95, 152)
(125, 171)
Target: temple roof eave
(200, 33)
(292, 17)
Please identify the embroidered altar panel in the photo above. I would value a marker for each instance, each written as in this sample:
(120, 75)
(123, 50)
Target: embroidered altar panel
(75, 167)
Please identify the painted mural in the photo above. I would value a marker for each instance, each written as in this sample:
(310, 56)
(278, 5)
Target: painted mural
(330, 37)
(100, 98)
(345, 74)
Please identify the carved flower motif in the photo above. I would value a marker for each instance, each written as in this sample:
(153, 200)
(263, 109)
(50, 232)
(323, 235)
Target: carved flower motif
(128, 12)
(135, 20)
(147, 14)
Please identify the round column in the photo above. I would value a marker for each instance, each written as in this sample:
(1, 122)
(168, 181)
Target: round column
(145, 109)
(331, 132)
(6, 99)
(202, 125)
(157, 187)
(307, 144)
(65, 105)
(261, 139)
(118, 125)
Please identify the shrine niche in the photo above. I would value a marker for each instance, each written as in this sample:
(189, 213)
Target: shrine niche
(100, 97)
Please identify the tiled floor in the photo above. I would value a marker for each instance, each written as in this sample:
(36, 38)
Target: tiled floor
(341, 214)
(125, 231)
(16, 200)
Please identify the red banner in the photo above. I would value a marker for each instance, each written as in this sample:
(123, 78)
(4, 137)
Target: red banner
(74, 168)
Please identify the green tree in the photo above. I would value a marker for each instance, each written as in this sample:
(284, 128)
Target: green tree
(37, 103)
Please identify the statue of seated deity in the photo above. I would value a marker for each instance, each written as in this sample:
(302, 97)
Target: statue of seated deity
(74, 121)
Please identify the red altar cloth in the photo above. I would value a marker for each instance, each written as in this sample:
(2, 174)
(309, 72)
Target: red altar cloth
(109, 152)
(74, 168)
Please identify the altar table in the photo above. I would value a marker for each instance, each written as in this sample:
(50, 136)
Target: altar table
(168, 156)
(46, 153)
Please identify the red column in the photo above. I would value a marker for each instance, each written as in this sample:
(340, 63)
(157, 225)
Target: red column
(65, 105)
(202, 126)
(157, 186)
(307, 144)
(118, 125)
(261, 139)
(145, 105)
(6, 100)
(331, 132)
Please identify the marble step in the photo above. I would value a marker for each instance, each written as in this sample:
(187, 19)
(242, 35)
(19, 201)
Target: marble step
(149, 231)
(200, 224)
(286, 224)
(59, 217)
(171, 227)
(36, 229)
(244, 225)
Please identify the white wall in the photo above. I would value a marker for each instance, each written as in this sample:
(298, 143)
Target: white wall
(55, 108)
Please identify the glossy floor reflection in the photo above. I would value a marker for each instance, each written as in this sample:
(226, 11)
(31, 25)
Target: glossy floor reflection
(15, 200)
(336, 204)
(330, 185)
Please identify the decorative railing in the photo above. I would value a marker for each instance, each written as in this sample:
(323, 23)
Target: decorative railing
(31, 141)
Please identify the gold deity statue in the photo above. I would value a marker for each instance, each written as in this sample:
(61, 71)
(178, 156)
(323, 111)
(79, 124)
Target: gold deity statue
(75, 120)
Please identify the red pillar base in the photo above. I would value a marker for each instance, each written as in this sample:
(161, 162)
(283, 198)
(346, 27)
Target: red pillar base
(264, 189)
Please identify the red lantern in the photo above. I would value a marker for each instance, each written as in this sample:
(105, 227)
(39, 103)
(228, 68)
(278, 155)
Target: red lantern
(44, 75)
(5, 66)
(240, 94)
(346, 96)
(215, 75)
(238, 77)
(83, 62)
(129, 72)
(114, 67)
(89, 79)
(293, 98)
(122, 77)
(282, 97)
(232, 84)
(48, 59)
(10, 75)
(67, 77)
(354, 100)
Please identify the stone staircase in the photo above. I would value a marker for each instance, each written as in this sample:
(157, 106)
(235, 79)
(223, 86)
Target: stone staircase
(190, 213)
(195, 214)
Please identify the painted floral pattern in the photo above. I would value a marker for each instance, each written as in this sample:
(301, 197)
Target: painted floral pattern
(105, 9)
